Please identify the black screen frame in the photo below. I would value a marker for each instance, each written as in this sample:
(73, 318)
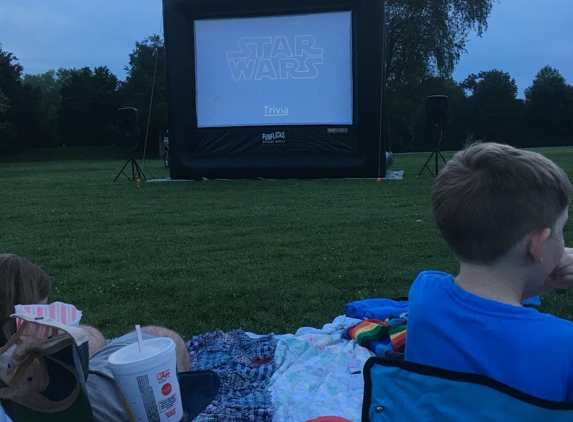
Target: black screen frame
(365, 159)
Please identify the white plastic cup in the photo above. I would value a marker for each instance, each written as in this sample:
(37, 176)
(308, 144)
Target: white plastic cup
(147, 380)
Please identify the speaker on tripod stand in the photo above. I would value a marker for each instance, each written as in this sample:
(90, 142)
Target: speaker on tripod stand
(437, 119)
(128, 128)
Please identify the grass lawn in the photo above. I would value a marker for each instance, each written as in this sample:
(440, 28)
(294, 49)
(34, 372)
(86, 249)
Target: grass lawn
(264, 256)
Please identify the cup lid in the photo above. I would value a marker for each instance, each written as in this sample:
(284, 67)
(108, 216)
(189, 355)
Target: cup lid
(132, 354)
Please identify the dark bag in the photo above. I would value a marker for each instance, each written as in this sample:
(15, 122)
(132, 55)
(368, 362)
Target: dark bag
(43, 368)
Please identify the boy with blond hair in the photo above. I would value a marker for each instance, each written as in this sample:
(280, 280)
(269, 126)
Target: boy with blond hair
(501, 211)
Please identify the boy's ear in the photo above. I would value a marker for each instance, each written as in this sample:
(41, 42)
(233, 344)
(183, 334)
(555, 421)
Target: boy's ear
(537, 242)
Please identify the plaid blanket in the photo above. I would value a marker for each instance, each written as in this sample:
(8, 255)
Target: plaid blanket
(245, 366)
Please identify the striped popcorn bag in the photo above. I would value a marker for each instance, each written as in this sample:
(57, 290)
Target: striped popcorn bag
(59, 311)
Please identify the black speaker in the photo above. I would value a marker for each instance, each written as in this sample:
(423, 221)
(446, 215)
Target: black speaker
(127, 122)
(437, 111)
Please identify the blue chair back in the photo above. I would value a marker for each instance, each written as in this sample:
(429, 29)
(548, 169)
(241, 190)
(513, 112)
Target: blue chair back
(396, 391)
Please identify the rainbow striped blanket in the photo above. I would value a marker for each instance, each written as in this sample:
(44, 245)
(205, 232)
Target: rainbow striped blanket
(385, 338)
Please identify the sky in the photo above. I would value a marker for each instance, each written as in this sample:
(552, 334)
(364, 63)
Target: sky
(522, 36)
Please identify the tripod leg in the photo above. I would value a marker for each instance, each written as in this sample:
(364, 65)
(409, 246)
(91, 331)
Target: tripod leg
(426, 164)
(122, 170)
(135, 168)
(140, 172)
(443, 159)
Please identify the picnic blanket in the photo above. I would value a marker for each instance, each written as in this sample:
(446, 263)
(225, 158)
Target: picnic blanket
(245, 365)
(385, 338)
(319, 373)
(283, 378)
(297, 377)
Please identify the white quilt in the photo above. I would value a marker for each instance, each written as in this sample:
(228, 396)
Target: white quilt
(319, 374)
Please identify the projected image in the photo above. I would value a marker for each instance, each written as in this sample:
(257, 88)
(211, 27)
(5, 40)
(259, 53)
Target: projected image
(283, 70)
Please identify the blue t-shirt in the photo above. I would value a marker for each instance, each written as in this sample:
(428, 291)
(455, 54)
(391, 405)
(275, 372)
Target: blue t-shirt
(521, 347)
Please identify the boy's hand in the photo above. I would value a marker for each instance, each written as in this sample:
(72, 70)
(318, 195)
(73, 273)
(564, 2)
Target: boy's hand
(562, 275)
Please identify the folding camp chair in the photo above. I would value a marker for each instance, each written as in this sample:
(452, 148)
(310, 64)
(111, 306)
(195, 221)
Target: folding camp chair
(396, 391)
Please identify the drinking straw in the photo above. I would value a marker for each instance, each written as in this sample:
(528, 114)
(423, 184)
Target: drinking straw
(139, 337)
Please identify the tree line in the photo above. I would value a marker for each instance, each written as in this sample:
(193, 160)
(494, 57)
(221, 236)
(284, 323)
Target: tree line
(78, 107)
(424, 41)
(485, 107)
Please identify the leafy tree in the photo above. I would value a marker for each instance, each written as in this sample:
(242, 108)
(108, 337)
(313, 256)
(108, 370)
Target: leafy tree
(455, 134)
(9, 75)
(402, 109)
(20, 121)
(549, 108)
(26, 114)
(4, 103)
(419, 135)
(424, 39)
(146, 74)
(495, 113)
(7, 132)
(64, 75)
(89, 103)
(48, 85)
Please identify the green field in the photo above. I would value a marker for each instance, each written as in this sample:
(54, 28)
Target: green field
(264, 256)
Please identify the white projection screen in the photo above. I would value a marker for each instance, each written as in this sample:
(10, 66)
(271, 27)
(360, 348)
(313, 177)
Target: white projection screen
(275, 90)
(280, 70)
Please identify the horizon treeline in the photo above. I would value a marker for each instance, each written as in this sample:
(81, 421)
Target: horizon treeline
(78, 107)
